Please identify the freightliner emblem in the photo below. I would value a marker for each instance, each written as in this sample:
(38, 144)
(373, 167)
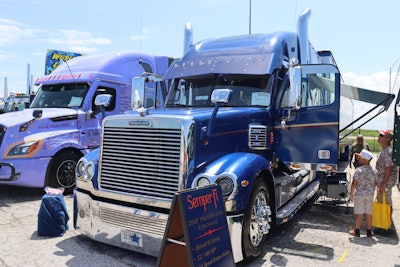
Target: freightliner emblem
(140, 123)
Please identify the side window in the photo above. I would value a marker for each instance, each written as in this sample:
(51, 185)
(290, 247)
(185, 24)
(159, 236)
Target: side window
(316, 90)
(284, 100)
(104, 90)
(147, 67)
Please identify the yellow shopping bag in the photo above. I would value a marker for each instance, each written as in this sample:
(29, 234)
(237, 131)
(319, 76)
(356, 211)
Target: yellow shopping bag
(381, 214)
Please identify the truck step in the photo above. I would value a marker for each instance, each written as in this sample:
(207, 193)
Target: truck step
(287, 211)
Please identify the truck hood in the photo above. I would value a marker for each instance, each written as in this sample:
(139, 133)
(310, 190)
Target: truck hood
(202, 115)
(23, 116)
(179, 111)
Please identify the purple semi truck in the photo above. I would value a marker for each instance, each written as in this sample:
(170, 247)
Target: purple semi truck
(41, 144)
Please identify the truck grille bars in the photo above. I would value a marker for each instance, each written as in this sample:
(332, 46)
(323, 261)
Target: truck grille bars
(143, 161)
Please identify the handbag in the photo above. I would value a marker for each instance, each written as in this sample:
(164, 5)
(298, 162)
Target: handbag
(381, 217)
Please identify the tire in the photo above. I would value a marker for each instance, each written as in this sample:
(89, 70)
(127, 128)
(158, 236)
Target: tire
(62, 170)
(257, 221)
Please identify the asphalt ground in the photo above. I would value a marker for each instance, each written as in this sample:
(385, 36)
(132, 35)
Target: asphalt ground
(317, 235)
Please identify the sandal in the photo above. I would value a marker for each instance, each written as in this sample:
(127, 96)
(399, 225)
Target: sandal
(370, 233)
(355, 232)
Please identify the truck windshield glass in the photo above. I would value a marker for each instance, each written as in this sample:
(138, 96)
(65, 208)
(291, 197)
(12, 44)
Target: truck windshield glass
(60, 95)
(247, 90)
(15, 106)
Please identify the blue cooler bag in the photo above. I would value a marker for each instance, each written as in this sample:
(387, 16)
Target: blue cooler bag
(53, 215)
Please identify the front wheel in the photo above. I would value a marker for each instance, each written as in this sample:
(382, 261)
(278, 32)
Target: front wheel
(257, 221)
(62, 170)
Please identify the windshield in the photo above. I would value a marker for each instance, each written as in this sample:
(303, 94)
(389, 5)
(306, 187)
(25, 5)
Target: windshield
(60, 95)
(15, 106)
(247, 90)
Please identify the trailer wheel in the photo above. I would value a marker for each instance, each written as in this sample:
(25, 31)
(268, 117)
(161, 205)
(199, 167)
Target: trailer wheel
(62, 170)
(257, 221)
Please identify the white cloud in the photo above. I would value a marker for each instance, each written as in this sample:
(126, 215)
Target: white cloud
(74, 37)
(138, 38)
(77, 41)
(378, 81)
(11, 31)
(146, 32)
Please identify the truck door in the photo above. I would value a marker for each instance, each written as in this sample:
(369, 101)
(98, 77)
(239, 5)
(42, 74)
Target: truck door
(91, 129)
(307, 130)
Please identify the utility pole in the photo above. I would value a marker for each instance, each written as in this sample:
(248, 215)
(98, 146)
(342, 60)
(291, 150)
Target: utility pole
(5, 87)
(28, 79)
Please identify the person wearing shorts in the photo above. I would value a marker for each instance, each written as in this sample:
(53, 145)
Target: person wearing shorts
(387, 171)
(362, 192)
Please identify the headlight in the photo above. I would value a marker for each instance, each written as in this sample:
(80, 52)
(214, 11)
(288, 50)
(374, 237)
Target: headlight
(203, 181)
(24, 149)
(80, 167)
(84, 170)
(226, 184)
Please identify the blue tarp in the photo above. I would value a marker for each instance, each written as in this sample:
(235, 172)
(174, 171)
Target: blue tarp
(53, 216)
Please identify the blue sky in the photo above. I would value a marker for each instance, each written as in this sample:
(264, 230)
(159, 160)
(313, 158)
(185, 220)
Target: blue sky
(362, 35)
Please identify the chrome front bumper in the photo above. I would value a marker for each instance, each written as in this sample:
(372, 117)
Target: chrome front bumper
(135, 229)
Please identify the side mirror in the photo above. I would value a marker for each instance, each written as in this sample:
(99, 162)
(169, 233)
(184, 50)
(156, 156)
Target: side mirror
(221, 96)
(139, 87)
(137, 92)
(103, 100)
(37, 113)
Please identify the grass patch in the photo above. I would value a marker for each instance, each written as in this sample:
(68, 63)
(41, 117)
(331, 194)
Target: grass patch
(370, 137)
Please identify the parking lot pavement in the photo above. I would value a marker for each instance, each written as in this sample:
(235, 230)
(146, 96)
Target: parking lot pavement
(21, 246)
(317, 235)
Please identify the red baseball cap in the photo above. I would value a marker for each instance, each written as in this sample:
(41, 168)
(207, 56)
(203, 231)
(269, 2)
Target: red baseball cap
(386, 133)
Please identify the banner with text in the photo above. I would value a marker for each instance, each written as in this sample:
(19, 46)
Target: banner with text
(55, 57)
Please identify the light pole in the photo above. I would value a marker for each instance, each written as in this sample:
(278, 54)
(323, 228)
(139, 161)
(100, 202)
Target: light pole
(390, 75)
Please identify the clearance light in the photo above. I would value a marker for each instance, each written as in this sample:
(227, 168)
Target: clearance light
(244, 183)
(296, 166)
(325, 167)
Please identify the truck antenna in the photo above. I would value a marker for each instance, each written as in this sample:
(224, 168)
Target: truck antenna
(70, 72)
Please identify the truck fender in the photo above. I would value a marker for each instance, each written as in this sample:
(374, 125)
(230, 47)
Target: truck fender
(61, 169)
(247, 167)
(92, 157)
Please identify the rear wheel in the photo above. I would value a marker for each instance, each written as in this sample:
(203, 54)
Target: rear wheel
(257, 221)
(62, 170)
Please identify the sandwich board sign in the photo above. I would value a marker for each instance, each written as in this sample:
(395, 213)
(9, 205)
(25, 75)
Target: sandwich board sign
(197, 233)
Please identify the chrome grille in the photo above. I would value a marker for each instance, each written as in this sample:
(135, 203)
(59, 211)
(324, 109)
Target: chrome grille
(134, 222)
(258, 137)
(141, 161)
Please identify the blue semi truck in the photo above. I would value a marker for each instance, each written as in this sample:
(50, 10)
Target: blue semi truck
(256, 114)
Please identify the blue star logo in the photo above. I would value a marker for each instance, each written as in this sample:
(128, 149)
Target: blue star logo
(135, 239)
